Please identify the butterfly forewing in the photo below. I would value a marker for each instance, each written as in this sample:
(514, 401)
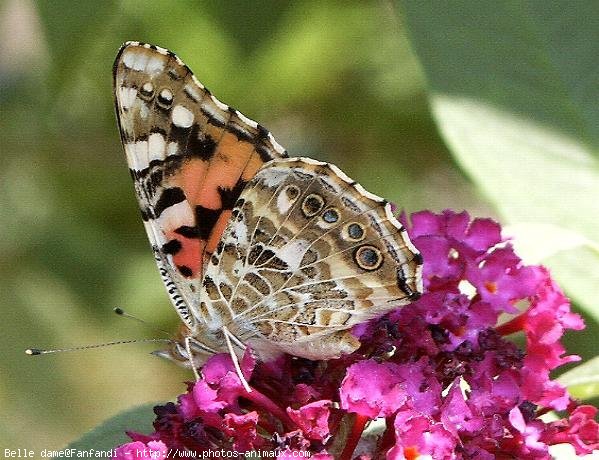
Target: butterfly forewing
(190, 157)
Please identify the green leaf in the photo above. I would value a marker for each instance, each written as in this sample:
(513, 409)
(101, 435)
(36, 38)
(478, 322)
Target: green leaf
(583, 380)
(578, 271)
(514, 90)
(111, 433)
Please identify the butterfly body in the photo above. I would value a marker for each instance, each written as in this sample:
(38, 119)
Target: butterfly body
(255, 248)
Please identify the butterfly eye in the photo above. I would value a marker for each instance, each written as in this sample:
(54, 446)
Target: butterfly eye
(165, 98)
(368, 257)
(147, 91)
(330, 216)
(354, 231)
(312, 205)
(292, 191)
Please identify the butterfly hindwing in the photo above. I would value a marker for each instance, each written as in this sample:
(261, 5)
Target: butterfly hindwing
(190, 157)
(308, 254)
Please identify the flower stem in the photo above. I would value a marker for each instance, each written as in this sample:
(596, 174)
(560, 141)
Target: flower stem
(354, 437)
(264, 401)
(514, 325)
(388, 438)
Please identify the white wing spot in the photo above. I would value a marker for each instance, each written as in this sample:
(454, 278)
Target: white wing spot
(172, 148)
(278, 148)
(182, 116)
(155, 64)
(134, 59)
(134, 159)
(293, 252)
(213, 113)
(284, 203)
(162, 50)
(219, 104)
(176, 215)
(144, 111)
(156, 145)
(127, 97)
(246, 120)
(193, 91)
(141, 153)
(197, 82)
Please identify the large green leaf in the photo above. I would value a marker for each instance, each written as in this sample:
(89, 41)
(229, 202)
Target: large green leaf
(111, 433)
(535, 58)
(515, 91)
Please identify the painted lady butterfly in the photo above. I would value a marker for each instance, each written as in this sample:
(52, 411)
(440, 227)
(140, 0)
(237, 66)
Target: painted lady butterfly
(283, 254)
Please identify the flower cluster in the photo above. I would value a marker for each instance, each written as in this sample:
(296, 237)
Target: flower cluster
(437, 379)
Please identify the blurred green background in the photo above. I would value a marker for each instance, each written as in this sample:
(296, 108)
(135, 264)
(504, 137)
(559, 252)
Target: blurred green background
(336, 81)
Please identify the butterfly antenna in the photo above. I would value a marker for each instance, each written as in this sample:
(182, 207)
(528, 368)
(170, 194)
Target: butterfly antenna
(38, 351)
(119, 311)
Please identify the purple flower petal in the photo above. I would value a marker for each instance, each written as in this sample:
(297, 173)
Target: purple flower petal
(372, 389)
(138, 450)
(243, 430)
(418, 435)
(313, 419)
(447, 378)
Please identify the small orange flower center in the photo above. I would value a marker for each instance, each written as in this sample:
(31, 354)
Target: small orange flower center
(411, 453)
(491, 286)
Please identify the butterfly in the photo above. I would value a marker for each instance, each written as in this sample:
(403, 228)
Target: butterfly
(254, 247)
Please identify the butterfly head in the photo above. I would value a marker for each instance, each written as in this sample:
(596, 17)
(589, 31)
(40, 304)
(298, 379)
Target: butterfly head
(187, 349)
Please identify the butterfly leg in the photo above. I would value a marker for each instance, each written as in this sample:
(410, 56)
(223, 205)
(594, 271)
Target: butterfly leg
(228, 337)
(188, 340)
(235, 340)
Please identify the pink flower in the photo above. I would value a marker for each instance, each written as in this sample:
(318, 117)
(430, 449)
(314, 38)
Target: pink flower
(418, 435)
(372, 389)
(530, 433)
(201, 398)
(500, 279)
(458, 415)
(580, 430)
(312, 419)
(440, 376)
(242, 428)
(155, 450)
(544, 324)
